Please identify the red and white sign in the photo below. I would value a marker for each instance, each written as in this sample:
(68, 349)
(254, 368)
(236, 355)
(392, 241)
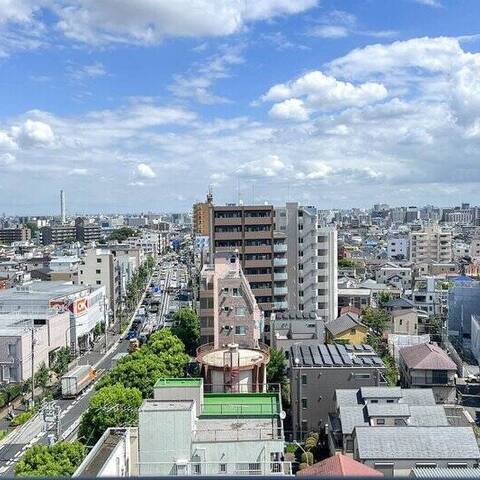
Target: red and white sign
(79, 306)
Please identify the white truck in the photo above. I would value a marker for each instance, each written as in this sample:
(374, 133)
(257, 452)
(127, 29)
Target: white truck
(76, 380)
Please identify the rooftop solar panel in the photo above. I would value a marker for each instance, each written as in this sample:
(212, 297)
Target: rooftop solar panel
(307, 357)
(327, 359)
(317, 358)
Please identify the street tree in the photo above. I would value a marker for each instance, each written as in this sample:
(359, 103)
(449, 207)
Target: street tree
(112, 406)
(59, 460)
(62, 359)
(187, 329)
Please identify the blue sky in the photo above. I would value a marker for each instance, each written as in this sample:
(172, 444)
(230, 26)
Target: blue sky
(141, 105)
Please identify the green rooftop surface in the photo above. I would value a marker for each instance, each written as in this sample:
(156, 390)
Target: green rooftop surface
(240, 404)
(178, 382)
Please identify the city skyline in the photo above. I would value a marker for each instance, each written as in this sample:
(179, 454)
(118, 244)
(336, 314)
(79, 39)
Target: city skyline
(331, 103)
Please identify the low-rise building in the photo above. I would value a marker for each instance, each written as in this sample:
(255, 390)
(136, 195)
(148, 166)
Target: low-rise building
(428, 366)
(290, 328)
(345, 366)
(394, 430)
(184, 431)
(42, 300)
(346, 328)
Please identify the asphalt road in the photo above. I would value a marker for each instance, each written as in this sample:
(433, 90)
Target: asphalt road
(70, 412)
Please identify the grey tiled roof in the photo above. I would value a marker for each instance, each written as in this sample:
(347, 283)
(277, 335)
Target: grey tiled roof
(418, 396)
(388, 410)
(352, 417)
(381, 392)
(428, 416)
(445, 472)
(417, 443)
(342, 323)
(346, 397)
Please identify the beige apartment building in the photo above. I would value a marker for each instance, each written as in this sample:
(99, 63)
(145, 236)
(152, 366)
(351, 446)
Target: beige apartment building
(100, 267)
(201, 217)
(248, 230)
(431, 244)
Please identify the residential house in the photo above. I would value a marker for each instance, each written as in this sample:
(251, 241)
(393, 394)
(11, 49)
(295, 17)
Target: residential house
(428, 366)
(339, 466)
(394, 430)
(346, 328)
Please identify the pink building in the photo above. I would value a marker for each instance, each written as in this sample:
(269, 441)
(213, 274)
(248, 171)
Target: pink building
(233, 358)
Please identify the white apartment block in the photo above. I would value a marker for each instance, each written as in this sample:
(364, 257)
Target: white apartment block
(397, 247)
(393, 274)
(311, 260)
(431, 244)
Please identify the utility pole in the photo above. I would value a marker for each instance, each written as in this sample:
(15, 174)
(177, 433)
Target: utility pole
(33, 364)
(105, 316)
(51, 420)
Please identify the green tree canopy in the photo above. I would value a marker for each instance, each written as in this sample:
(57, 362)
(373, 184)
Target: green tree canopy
(346, 263)
(187, 329)
(121, 234)
(61, 361)
(163, 356)
(59, 460)
(376, 319)
(276, 368)
(112, 406)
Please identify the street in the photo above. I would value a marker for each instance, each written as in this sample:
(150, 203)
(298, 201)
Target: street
(70, 410)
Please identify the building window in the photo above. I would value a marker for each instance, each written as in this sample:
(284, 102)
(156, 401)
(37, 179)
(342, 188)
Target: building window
(380, 421)
(390, 401)
(426, 465)
(223, 468)
(373, 401)
(99, 260)
(304, 426)
(236, 292)
(98, 282)
(361, 375)
(304, 403)
(98, 272)
(240, 311)
(304, 379)
(12, 349)
(81, 272)
(240, 330)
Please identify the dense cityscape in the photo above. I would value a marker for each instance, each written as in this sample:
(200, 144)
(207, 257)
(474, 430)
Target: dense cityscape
(241, 339)
(240, 238)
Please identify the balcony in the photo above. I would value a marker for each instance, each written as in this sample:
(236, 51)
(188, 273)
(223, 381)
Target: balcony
(280, 276)
(279, 262)
(228, 235)
(280, 290)
(261, 234)
(280, 248)
(258, 263)
(280, 305)
(260, 277)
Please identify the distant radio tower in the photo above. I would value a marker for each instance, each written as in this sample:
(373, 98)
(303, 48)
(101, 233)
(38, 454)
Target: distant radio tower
(62, 206)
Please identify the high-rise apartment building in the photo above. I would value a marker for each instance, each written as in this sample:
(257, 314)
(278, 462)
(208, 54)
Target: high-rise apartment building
(248, 230)
(201, 217)
(311, 260)
(431, 244)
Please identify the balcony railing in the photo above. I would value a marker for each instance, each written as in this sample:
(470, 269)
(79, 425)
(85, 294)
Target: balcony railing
(215, 468)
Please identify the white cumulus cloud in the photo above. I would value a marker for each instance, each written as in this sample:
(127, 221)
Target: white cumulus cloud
(145, 171)
(147, 21)
(317, 91)
(290, 109)
(33, 132)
